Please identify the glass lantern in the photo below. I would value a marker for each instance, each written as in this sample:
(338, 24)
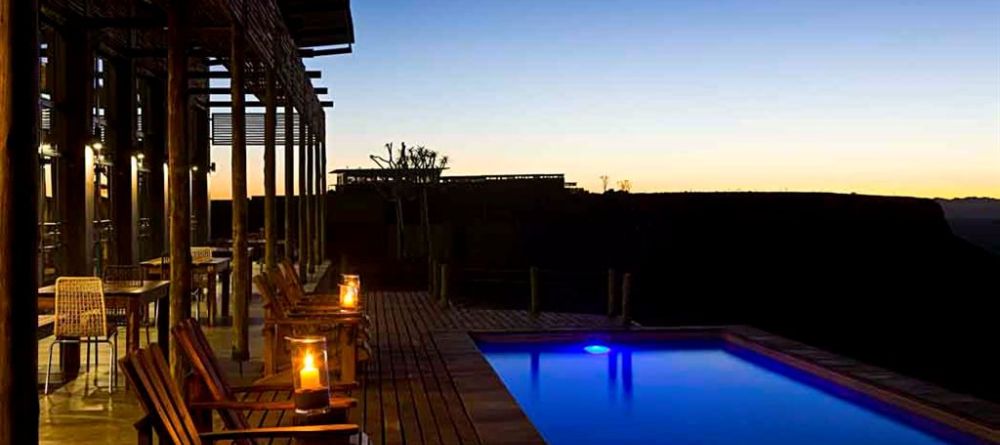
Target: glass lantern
(352, 280)
(310, 375)
(348, 297)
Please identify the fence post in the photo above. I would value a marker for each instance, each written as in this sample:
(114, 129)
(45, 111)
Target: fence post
(432, 278)
(536, 303)
(611, 292)
(443, 286)
(626, 299)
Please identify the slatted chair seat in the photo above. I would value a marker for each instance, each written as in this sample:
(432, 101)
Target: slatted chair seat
(210, 383)
(167, 414)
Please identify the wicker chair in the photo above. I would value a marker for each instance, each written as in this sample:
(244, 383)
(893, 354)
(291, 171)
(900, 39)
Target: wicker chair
(131, 275)
(199, 281)
(81, 317)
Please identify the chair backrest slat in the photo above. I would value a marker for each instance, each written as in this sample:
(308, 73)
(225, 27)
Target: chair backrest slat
(80, 308)
(201, 254)
(199, 353)
(147, 371)
(292, 295)
(279, 307)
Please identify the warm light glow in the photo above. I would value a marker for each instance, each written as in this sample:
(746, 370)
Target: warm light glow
(348, 296)
(97, 146)
(309, 375)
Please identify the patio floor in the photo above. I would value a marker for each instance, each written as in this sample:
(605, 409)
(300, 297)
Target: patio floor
(409, 392)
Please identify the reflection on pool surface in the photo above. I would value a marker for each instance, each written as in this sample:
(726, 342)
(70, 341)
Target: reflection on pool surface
(684, 392)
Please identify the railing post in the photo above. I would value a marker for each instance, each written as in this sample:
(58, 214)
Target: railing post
(626, 299)
(612, 275)
(443, 286)
(536, 303)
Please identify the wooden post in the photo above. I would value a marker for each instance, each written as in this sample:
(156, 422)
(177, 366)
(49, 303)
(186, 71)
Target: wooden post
(303, 245)
(72, 128)
(432, 279)
(323, 198)
(443, 283)
(153, 121)
(121, 114)
(612, 277)
(270, 217)
(626, 299)
(19, 116)
(310, 216)
(179, 182)
(241, 264)
(289, 179)
(536, 298)
(317, 203)
(201, 159)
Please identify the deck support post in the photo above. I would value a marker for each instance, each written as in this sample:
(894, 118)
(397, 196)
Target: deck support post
(303, 245)
(317, 202)
(241, 265)
(322, 199)
(310, 205)
(179, 178)
(270, 223)
(626, 299)
(201, 159)
(153, 107)
(536, 302)
(289, 179)
(612, 278)
(443, 286)
(19, 121)
(121, 113)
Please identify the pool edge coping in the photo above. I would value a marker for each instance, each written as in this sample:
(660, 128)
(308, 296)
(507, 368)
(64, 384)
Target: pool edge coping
(494, 411)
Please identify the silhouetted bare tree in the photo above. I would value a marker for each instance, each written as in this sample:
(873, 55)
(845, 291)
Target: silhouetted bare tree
(411, 170)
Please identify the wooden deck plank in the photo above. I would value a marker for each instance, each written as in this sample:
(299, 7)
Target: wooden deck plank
(409, 394)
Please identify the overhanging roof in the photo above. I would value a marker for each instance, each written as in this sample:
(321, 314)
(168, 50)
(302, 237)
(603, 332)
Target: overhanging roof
(318, 23)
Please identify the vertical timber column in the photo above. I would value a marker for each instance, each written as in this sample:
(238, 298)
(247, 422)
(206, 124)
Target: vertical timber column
(200, 160)
(241, 264)
(303, 245)
(153, 116)
(270, 210)
(310, 217)
(289, 177)
(19, 116)
(323, 197)
(72, 124)
(179, 180)
(122, 142)
(317, 201)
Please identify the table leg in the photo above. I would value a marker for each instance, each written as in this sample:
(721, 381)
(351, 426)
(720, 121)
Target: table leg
(134, 312)
(224, 310)
(69, 360)
(163, 324)
(210, 303)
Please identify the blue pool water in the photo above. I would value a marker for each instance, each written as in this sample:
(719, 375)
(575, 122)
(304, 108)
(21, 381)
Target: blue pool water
(692, 393)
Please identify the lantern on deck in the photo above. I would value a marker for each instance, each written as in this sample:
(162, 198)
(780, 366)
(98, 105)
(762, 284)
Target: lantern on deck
(351, 280)
(310, 375)
(349, 296)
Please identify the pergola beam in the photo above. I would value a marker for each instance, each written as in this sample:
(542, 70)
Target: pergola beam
(312, 74)
(225, 90)
(256, 104)
(310, 52)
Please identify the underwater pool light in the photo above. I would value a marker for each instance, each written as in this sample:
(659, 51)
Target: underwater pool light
(597, 349)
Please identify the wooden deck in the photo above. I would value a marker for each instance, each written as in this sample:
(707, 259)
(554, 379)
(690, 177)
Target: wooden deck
(410, 393)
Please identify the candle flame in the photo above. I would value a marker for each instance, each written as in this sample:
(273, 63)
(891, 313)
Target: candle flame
(308, 362)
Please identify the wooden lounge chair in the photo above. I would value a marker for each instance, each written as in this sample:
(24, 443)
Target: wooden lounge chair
(280, 321)
(166, 413)
(289, 283)
(209, 383)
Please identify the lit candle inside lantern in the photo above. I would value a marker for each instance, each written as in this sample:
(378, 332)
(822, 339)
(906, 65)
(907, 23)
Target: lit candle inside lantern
(309, 375)
(348, 296)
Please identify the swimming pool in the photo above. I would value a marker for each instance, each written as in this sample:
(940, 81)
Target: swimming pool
(704, 391)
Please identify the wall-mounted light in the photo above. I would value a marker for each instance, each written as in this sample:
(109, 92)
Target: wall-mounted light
(194, 168)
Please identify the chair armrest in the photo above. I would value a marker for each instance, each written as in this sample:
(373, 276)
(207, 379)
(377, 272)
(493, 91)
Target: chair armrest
(276, 405)
(346, 386)
(332, 430)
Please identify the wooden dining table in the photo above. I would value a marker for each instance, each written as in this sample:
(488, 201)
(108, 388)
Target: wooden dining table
(216, 269)
(134, 299)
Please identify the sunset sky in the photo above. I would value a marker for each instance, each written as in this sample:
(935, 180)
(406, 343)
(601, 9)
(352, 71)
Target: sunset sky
(877, 97)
